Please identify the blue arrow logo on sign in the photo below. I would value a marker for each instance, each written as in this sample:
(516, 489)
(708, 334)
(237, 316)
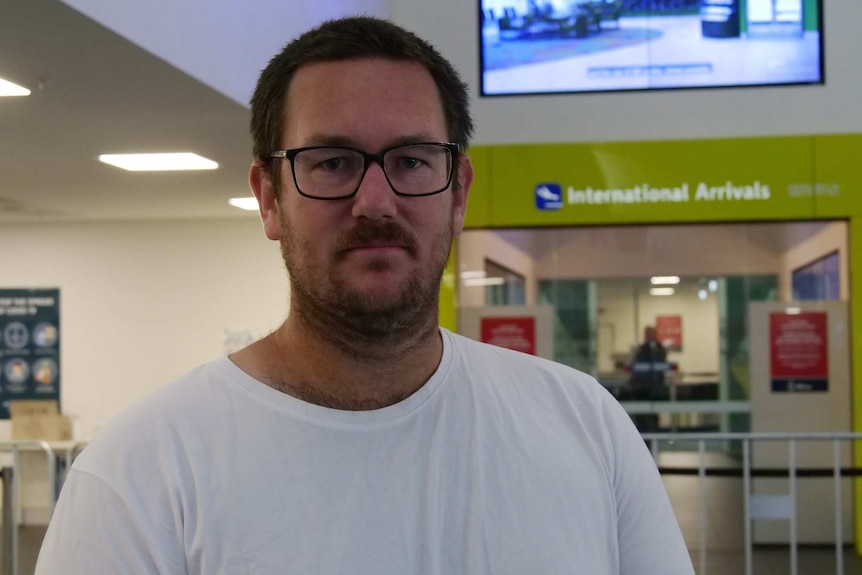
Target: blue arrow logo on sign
(549, 196)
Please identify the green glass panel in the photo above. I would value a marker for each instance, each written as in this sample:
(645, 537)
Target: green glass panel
(735, 345)
(573, 345)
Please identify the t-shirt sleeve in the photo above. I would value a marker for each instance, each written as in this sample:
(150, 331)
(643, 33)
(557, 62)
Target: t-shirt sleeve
(93, 530)
(649, 536)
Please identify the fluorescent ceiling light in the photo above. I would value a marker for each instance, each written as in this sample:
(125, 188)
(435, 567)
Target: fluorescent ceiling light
(793, 311)
(247, 203)
(662, 291)
(476, 282)
(664, 280)
(158, 162)
(7, 88)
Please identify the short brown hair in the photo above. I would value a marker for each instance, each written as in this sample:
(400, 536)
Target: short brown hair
(346, 39)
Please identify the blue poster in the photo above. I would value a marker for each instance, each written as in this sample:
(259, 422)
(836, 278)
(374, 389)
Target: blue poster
(29, 345)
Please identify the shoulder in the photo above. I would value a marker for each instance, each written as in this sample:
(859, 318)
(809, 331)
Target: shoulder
(494, 361)
(527, 380)
(146, 432)
(543, 398)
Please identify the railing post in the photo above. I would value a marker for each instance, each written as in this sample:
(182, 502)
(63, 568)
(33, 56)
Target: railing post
(794, 555)
(15, 489)
(785, 507)
(702, 473)
(746, 481)
(839, 510)
(8, 521)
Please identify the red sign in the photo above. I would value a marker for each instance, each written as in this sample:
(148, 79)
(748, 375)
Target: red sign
(668, 330)
(799, 359)
(518, 333)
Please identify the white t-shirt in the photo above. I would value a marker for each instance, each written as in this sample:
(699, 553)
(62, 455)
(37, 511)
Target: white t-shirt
(501, 463)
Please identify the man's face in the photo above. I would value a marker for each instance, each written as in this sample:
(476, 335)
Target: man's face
(374, 259)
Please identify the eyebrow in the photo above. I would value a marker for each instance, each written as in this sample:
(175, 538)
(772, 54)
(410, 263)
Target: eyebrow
(336, 140)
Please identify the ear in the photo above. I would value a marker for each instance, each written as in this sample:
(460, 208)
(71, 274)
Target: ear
(460, 193)
(261, 184)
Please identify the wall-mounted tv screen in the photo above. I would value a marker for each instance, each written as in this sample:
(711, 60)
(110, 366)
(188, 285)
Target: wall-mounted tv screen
(550, 46)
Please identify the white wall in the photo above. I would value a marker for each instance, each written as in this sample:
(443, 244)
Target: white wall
(143, 302)
(699, 324)
(802, 412)
(453, 26)
(475, 247)
(700, 329)
(833, 237)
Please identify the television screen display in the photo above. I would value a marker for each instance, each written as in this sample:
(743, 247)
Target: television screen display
(549, 46)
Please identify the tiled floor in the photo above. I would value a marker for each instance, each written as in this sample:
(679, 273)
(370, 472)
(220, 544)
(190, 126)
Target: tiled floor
(29, 540)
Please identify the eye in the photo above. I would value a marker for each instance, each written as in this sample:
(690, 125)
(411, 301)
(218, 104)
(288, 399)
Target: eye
(332, 163)
(410, 158)
(409, 162)
(328, 160)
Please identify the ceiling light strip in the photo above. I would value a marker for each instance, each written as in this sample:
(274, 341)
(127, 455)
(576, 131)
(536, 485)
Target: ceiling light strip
(8, 88)
(159, 162)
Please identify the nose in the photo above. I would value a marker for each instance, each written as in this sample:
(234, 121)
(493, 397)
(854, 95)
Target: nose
(374, 199)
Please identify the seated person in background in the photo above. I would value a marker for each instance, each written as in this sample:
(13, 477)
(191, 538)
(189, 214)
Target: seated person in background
(647, 380)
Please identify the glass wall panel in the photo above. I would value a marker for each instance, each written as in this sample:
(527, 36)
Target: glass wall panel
(658, 314)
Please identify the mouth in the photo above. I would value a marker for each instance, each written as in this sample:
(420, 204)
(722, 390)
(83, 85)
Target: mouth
(379, 240)
(376, 245)
(383, 253)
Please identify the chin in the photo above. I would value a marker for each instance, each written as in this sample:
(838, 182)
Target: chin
(381, 297)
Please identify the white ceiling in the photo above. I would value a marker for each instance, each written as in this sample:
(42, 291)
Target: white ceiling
(775, 237)
(95, 92)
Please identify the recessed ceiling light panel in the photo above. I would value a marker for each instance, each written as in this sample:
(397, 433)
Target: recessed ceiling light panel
(664, 280)
(662, 291)
(246, 203)
(7, 88)
(479, 282)
(158, 162)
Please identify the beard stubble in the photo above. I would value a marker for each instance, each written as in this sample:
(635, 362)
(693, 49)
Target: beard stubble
(359, 320)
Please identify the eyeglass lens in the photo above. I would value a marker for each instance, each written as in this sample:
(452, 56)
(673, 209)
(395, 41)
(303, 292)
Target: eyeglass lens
(416, 169)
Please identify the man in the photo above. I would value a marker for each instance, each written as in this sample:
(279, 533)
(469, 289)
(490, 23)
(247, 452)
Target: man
(647, 380)
(359, 437)
(649, 366)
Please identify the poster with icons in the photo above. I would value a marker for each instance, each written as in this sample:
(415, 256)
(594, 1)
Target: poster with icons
(29, 345)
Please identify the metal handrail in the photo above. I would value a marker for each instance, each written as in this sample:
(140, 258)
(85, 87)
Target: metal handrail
(767, 436)
(654, 440)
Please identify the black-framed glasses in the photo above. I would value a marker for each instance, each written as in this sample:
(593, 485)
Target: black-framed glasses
(336, 172)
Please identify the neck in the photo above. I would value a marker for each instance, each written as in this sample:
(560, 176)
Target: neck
(333, 369)
(329, 370)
